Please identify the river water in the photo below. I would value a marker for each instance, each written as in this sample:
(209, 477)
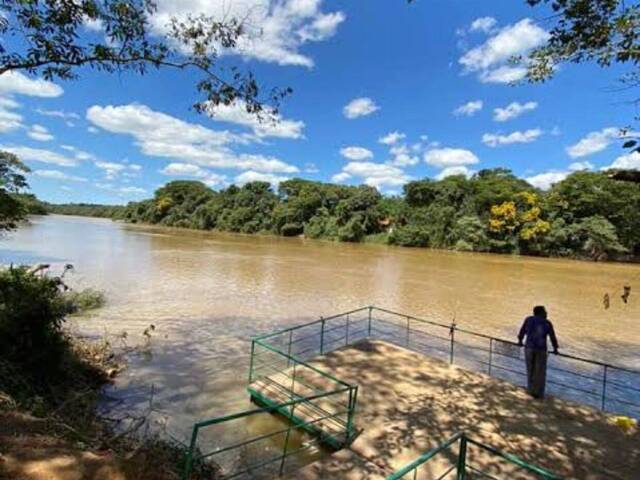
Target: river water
(208, 293)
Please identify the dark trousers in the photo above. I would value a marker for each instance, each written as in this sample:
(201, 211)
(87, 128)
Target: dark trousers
(536, 371)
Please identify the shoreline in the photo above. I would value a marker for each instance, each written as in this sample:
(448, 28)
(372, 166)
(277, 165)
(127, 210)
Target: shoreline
(173, 229)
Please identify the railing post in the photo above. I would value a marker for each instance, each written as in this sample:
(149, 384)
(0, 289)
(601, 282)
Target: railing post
(289, 349)
(604, 388)
(462, 459)
(253, 346)
(369, 334)
(286, 442)
(353, 398)
(346, 342)
(490, 354)
(189, 458)
(452, 333)
(408, 329)
(293, 388)
(322, 336)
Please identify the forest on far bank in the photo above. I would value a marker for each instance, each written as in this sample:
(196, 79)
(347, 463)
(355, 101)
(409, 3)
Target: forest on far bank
(587, 215)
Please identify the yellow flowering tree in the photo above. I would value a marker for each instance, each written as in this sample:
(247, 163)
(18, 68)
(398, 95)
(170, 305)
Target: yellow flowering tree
(518, 221)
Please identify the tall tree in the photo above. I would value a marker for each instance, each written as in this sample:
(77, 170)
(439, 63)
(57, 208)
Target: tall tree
(45, 37)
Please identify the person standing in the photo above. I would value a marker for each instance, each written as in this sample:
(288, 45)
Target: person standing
(536, 329)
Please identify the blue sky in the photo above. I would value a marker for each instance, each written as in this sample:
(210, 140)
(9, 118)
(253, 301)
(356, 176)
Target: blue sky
(384, 92)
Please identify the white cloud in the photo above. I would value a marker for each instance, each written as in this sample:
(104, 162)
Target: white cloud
(311, 167)
(92, 129)
(391, 138)
(274, 31)
(340, 177)
(483, 24)
(18, 83)
(177, 169)
(490, 59)
(450, 157)
(113, 169)
(374, 174)
(401, 156)
(122, 191)
(58, 175)
(469, 108)
(594, 142)
(252, 176)
(513, 110)
(29, 154)
(161, 135)
(456, 170)
(359, 107)
(544, 181)
(266, 124)
(503, 74)
(9, 120)
(356, 153)
(577, 166)
(39, 133)
(494, 140)
(184, 169)
(58, 114)
(77, 153)
(629, 161)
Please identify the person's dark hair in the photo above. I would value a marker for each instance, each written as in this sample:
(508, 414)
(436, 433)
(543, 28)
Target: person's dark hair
(540, 311)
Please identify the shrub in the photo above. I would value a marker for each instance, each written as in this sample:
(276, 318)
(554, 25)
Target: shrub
(409, 236)
(84, 300)
(291, 229)
(32, 310)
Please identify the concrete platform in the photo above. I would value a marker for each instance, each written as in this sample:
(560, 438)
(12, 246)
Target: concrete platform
(409, 403)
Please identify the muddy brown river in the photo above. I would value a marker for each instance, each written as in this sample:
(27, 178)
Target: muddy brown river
(208, 293)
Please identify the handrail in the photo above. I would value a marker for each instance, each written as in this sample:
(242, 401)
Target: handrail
(461, 461)
(425, 457)
(308, 324)
(489, 337)
(301, 362)
(388, 326)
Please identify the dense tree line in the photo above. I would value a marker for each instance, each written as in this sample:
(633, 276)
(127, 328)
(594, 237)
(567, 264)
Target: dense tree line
(587, 215)
(82, 209)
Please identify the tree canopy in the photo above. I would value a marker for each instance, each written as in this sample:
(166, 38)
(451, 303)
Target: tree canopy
(49, 38)
(587, 215)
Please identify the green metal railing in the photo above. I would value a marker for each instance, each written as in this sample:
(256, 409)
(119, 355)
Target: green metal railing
(598, 384)
(465, 458)
(320, 408)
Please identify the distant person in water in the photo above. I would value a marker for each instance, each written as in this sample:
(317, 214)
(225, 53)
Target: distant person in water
(537, 328)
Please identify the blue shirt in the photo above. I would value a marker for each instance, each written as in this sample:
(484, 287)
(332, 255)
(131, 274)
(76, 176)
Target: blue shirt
(536, 329)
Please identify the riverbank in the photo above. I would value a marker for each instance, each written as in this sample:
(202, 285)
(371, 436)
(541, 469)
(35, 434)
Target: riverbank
(62, 434)
(381, 239)
(51, 388)
(587, 215)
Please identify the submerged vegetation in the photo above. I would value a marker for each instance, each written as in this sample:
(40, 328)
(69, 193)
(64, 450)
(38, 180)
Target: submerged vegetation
(587, 215)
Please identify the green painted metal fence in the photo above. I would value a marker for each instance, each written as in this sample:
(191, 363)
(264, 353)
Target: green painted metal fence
(463, 458)
(320, 409)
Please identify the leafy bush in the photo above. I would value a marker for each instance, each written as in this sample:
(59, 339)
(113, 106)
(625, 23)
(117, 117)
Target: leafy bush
(409, 236)
(32, 310)
(291, 229)
(84, 300)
